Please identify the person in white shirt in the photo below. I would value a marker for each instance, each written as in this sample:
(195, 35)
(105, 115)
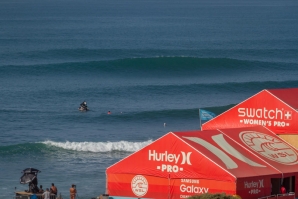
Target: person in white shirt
(46, 194)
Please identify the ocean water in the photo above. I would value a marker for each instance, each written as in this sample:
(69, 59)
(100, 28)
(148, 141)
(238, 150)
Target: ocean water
(149, 62)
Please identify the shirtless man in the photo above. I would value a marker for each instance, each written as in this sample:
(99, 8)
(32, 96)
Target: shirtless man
(72, 191)
(54, 189)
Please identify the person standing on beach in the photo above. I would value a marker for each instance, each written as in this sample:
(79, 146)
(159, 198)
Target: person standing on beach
(73, 191)
(46, 194)
(40, 189)
(54, 189)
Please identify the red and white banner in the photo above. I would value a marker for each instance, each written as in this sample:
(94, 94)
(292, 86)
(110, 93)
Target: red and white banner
(274, 109)
(238, 161)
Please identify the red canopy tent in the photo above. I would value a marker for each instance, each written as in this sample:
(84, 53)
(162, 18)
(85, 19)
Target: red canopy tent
(274, 108)
(250, 162)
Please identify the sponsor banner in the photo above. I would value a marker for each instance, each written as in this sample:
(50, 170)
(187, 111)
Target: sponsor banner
(262, 109)
(170, 156)
(181, 162)
(230, 156)
(184, 188)
(142, 186)
(170, 162)
(267, 146)
(276, 117)
(137, 186)
(192, 163)
(251, 188)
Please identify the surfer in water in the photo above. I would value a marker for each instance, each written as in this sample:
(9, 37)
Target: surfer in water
(83, 106)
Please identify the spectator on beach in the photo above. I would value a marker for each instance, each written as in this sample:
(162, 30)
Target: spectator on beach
(33, 196)
(40, 189)
(46, 194)
(283, 189)
(33, 186)
(73, 191)
(54, 189)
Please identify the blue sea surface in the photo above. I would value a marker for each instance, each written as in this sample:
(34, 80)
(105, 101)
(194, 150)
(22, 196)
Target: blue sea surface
(153, 64)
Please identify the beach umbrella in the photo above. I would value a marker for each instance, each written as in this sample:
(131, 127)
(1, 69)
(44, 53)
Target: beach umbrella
(29, 175)
(27, 178)
(31, 170)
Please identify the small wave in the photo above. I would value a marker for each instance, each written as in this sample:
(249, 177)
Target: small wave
(80, 55)
(167, 113)
(155, 63)
(162, 70)
(99, 146)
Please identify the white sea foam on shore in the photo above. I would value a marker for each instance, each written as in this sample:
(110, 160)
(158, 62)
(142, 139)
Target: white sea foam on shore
(99, 146)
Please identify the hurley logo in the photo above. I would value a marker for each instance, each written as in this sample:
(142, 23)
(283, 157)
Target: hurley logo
(169, 161)
(254, 184)
(169, 157)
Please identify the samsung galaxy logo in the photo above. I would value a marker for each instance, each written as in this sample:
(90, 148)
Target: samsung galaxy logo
(193, 189)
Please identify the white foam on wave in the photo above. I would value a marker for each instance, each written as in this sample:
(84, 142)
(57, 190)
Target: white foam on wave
(99, 146)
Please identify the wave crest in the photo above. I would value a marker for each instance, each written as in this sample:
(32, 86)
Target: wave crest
(99, 146)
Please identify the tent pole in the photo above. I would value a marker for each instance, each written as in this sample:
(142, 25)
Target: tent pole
(169, 187)
(200, 120)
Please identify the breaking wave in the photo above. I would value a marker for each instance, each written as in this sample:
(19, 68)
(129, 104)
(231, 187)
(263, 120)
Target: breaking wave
(99, 146)
(48, 147)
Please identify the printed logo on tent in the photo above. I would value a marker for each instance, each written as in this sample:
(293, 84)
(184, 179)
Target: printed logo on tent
(171, 160)
(191, 186)
(269, 147)
(265, 117)
(227, 160)
(254, 186)
(139, 185)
